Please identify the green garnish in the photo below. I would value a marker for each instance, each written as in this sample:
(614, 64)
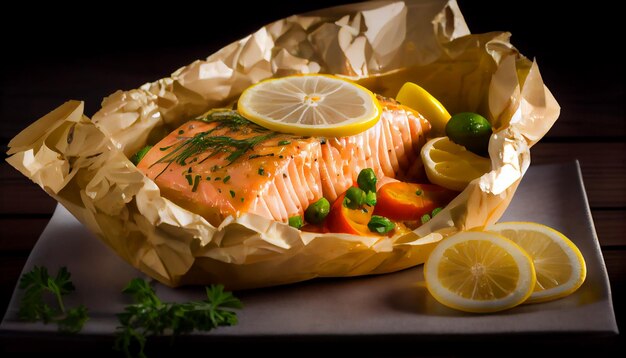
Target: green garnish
(425, 218)
(232, 193)
(196, 181)
(296, 221)
(149, 316)
(317, 212)
(380, 224)
(370, 198)
(189, 179)
(354, 198)
(367, 180)
(226, 179)
(284, 142)
(217, 178)
(254, 156)
(261, 171)
(33, 307)
(137, 157)
(181, 131)
(435, 212)
(418, 192)
(203, 142)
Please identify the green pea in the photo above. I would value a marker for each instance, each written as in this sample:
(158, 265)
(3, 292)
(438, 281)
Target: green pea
(435, 212)
(296, 221)
(380, 224)
(317, 211)
(370, 198)
(137, 157)
(355, 198)
(367, 180)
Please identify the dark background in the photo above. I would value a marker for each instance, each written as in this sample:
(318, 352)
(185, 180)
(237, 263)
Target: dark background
(88, 51)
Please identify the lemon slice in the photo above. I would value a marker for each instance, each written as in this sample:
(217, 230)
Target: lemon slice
(417, 98)
(479, 272)
(559, 265)
(319, 105)
(451, 165)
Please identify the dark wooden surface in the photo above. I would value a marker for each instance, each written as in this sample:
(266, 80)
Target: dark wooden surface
(52, 58)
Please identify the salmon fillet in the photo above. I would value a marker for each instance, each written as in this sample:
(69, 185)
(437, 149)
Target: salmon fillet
(225, 165)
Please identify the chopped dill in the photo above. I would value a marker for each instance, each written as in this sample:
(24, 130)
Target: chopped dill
(196, 181)
(203, 142)
(232, 193)
(226, 179)
(284, 142)
(254, 156)
(217, 178)
(261, 171)
(189, 179)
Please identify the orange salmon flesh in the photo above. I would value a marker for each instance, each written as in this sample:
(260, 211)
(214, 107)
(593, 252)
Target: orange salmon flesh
(218, 168)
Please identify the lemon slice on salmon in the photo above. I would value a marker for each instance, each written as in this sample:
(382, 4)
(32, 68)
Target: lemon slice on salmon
(310, 105)
(479, 272)
(559, 264)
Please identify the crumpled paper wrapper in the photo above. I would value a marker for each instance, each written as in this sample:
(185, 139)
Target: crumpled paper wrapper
(84, 163)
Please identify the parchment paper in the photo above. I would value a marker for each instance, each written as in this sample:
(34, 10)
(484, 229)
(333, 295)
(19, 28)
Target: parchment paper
(83, 163)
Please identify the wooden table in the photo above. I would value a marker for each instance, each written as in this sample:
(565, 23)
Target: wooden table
(51, 66)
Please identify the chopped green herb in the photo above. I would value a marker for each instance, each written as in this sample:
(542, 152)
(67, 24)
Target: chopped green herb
(435, 212)
(208, 178)
(425, 218)
(149, 316)
(280, 156)
(284, 142)
(317, 212)
(196, 181)
(232, 193)
(367, 180)
(261, 171)
(181, 131)
(253, 156)
(418, 192)
(380, 224)
(242, 200)
(137, 157)
(226, 179)
(33, 307)
(296, 221)
(189, 179)
(218, 178)
(189, 170)
(354, 198)
(215, 144)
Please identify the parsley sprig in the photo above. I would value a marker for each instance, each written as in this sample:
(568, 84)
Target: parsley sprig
(34, 306)
(150, 316)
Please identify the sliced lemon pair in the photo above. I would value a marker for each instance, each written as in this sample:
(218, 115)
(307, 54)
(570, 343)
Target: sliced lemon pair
(507, 264)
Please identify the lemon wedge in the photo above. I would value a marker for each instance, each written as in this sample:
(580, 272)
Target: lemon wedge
(320, 105)
(451, 165)
(417, 98)
(559, 265)
(479, 272)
